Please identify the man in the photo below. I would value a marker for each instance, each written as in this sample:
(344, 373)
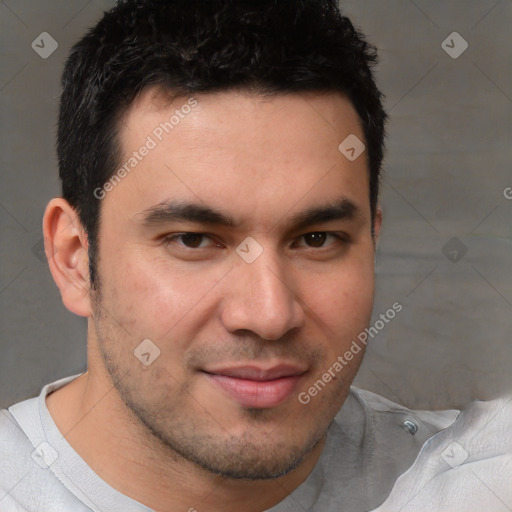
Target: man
(220, 168)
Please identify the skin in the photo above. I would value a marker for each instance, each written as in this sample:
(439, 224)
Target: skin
(166, 434)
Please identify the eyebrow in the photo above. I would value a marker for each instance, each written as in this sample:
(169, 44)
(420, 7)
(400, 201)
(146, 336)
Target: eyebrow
(342, 209)
(169, 211)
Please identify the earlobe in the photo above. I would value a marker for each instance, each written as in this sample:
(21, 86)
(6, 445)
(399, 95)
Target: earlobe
(66, 248)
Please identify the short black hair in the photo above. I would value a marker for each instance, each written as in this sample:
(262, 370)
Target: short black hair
(203, 46)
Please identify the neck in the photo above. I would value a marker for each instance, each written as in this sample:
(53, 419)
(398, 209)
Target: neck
(121, 451)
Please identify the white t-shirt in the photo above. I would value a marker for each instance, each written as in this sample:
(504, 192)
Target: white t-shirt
(370, 443)
(465, 468)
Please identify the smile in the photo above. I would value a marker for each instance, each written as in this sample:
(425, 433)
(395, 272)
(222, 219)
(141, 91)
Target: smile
(257, 388)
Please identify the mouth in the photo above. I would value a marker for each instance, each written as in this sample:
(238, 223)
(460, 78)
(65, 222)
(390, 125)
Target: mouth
(255, 387)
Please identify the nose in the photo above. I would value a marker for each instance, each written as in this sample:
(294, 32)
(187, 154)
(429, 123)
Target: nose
(260, 298)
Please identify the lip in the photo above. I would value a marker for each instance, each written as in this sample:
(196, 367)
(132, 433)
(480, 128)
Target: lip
(255, 387)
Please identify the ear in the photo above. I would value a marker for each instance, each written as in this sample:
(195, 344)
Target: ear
(377, 223)
(66, 247)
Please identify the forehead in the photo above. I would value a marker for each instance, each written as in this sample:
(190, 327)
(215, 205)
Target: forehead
(258, 154)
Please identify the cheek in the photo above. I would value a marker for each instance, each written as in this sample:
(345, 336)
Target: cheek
(342, 296)
(151, 297)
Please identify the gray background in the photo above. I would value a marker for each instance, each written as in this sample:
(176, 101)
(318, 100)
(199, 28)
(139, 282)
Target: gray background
(447, 167)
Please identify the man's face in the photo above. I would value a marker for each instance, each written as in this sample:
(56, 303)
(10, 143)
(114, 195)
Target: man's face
(241, 246)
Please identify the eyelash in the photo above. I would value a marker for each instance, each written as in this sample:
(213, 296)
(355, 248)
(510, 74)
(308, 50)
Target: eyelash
(171, 239)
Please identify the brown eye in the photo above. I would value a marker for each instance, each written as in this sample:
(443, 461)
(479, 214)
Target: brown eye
(192, 240)
(315, 239)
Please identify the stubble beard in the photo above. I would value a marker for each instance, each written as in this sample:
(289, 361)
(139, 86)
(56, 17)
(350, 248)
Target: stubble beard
(197, 439)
